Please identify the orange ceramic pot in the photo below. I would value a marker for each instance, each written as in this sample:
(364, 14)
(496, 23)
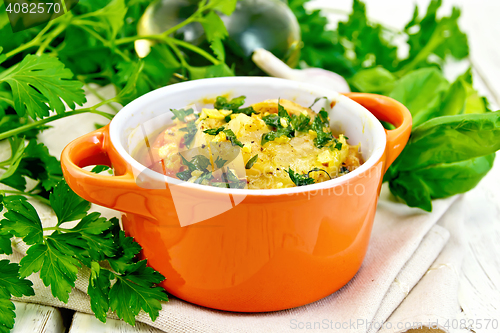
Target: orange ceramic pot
(239, 249)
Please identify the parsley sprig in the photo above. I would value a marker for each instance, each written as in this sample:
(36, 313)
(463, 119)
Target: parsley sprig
(124, 285)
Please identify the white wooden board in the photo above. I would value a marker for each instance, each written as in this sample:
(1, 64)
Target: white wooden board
(35, 318)
(85, 323)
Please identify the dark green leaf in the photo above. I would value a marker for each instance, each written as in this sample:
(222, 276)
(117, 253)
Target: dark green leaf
(11, 285)
(219, 162)
(36, 164)
(17, 148)
(273, 135)
(135, 290)
(22, 220)
(272, 120)
(5, 243)
(38, 80)
(301, 123)
(418, 187)
(298, 179)
(421, 92)
(201, 162)
(98, 290)
(251, 162)
(214, 131)
(232, 137)
(125, 250)
(191, 130)
(221, 103)
(57, 269)
(181, 114)
(67, 205)
(451, 139)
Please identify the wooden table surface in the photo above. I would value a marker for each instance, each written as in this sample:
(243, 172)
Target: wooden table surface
(479, 293)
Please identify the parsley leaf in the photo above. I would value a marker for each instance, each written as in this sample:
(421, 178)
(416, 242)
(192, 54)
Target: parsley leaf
(37, 164)
(191, 130)
(201, 162)
(17, 148)
(298, 179)
(11, 285)
(219, 162)
(276, 122)
(38, 80)
(134, 290)
(67, 205)
(300, 123)
(319, 125)
(215, 31)
(5, 243)
(232, 137)
(98, 290)
(235, 104)
(271, 136)
(272, 120)
(93, 229)
(214, 131)
(251, 162)
(221, 103)
(57, 269)
(22, 220)
(181, 114)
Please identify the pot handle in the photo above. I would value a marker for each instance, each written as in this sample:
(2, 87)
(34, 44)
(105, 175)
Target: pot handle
(118, 192)
(389, 110)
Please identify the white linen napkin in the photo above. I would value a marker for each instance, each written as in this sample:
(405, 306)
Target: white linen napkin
(404, 244)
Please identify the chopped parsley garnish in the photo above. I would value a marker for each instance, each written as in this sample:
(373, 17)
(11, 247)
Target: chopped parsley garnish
(219, 162)
(229, 135)
(271, 136)
(298, 179)
(206, 176)
(272, 120)
(282, 112)
(343, 170)
(251, 162)
(214, 131)
(191, 130)
(221, 103)
(275, 122)
(198, 162)
(181, 113)
(336, 145)
(232, 137)
(319, 125)
(231, 181)
(301, 123)
(201, 162)
(184, 175)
